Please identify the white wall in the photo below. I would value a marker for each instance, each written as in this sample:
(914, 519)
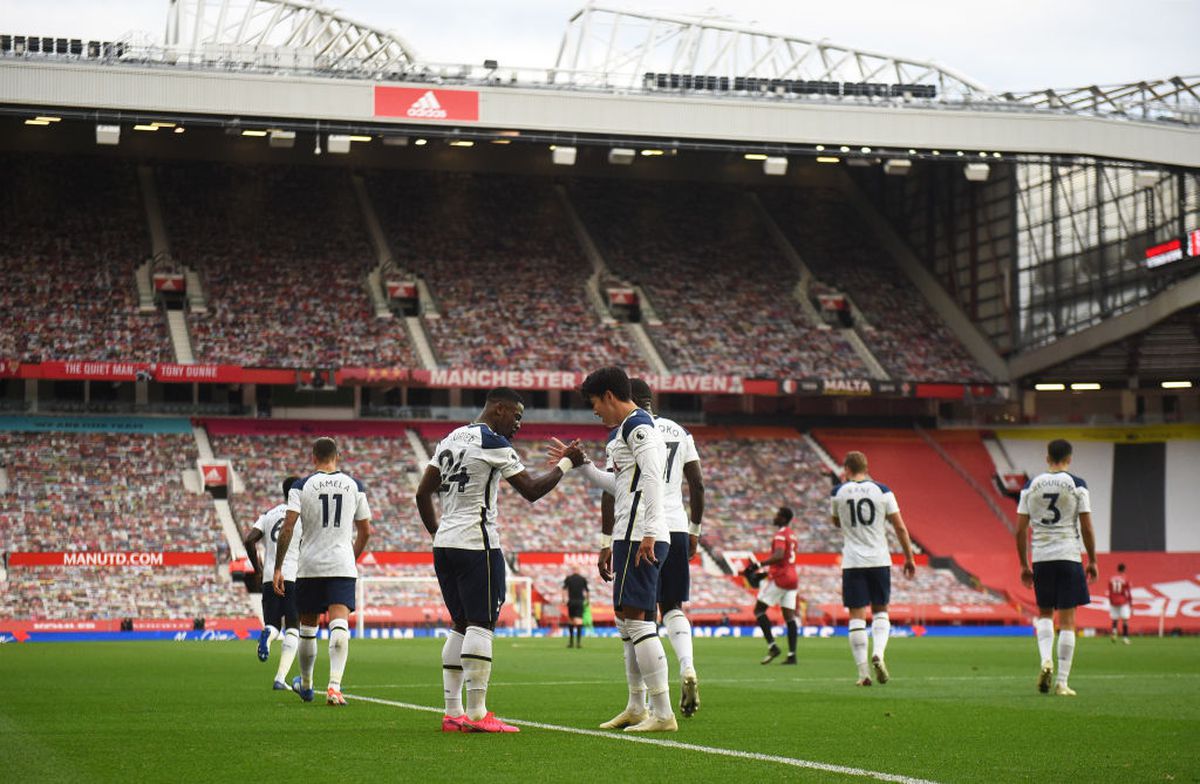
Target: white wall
(1183, 496)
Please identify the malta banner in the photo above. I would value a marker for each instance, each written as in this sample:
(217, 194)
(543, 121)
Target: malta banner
(420, 103)
(90, 558)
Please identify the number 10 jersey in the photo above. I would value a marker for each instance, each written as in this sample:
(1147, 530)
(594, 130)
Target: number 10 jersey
(862, 508)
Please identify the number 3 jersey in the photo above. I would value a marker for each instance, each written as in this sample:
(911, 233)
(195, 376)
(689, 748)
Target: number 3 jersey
(270, 524)
(1054, 502)
(862, 508)
(472, 461)
(328, 503)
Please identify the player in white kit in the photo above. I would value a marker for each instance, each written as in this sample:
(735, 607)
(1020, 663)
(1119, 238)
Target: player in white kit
(335, 519)
(1056, 506)
(279, 612)
(859, 506)
(674, 579)
(465, 471)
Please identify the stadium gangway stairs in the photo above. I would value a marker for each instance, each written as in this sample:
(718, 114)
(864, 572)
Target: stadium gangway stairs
(968, 478)
(181, 340)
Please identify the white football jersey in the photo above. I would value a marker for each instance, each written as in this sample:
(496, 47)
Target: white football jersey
(862, 508)
(269, 524)
(472, 460)
(635, 448)
(1054, 502)
(681, 450)
(328, 503)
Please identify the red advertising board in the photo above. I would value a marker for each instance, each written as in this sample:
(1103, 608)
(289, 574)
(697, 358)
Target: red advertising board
(422, 103)
(92, 558)
(214, 474)
(169, 282)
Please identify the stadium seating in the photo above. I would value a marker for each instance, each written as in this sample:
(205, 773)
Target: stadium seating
(505, 268)
(905, 335)
(283, 255)
(104, 491)
(74, 233)
(721, 288)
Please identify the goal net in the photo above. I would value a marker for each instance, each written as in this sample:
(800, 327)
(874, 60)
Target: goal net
(381, 591)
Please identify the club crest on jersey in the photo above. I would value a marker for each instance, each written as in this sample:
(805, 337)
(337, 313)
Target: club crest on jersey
(640, 436)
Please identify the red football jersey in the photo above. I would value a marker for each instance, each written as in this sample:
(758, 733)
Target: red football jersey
(1119, 592)
(784, 574)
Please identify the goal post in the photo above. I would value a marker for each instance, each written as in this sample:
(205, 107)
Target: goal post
(370, 591)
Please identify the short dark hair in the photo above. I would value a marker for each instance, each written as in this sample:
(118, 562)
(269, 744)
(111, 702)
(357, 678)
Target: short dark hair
(505, 395)
(786, 511)
(1059, 450)
(606, 379)
(856, 462)
(324, 448)
(1120, 567)
(287, 484)
(640, 392)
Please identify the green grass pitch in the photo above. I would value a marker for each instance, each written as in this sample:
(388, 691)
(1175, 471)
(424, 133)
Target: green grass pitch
(957, 710)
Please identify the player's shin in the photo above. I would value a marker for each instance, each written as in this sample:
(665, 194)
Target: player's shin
(477, 669)
(287, 653)
(1066, 652)
(308, 655)
(633, 673)
(452, 674)
(792, 633)
(1045, 638)
(881, 629)
(858, 644)
(652, 661)
(339, 651)
(679, 632)
(764, 623)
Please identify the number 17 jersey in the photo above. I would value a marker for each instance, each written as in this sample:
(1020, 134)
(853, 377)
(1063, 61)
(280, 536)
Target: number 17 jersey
(862, 508)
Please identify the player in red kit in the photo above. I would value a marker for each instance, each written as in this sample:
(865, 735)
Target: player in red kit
(1120, 602)
(780, 586)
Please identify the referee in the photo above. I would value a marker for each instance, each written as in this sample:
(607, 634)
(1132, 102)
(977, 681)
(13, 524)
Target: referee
(575, 594)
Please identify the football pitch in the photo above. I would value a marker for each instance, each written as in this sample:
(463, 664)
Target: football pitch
(956, 710)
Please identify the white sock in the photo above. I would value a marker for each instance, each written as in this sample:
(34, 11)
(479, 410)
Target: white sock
(679, 632)
(858, 644)
(308, 655)
(1045, 638)
(633, 673)
(1066, 652)
(477, 669)
(652, 661)
(287, 653)
(272, 635)
(452, 674)
(339, 651)
(881, 627)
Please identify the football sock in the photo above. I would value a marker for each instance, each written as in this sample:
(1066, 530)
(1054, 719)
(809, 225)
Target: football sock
(652, 661)
(339, 651)
(881, 627)
(858, 644)
(308, 655)
(1125, 626)
(633, 674)
(679, 632)
(1114, 629)
(1066, 652)
(287, 653)
(452, 673)
(578, 636)
(477, 669)
(1045, 637)
(764, 623)
(273, 635)
(791, 629)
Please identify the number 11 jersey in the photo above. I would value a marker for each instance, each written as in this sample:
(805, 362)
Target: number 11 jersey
(472, 460)
(328, 503)
(1054, 502)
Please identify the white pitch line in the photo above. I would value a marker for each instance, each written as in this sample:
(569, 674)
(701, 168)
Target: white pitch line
(672, 744)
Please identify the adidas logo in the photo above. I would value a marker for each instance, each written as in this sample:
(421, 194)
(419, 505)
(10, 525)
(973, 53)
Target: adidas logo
(427, 106)
(213, 475)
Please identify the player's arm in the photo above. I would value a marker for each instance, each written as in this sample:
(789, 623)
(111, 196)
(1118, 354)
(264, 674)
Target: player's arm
(608, 520)
(362, 534)
(1089, 544)
(1023, 548)
(431, 480)
(251, 544)
(910, 564)
(778, 555)
(532, 487)
(281, 547)
(649, 459)
(695, 480)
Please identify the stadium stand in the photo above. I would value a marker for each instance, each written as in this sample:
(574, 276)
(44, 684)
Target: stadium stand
(499, 256)
(74, 234)
(905, 334)
(283, 255)
(722, 290)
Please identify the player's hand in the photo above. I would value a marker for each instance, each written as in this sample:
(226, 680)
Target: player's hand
(572, 451)
(910, 568)
(1093, 572)
(693, 545)
(278, 582)
(604, 564)
(645, 551)
(1027, 577)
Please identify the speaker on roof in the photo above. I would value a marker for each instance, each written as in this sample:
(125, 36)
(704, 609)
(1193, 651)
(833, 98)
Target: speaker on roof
(108, 134)
(563, 156)
(621, 156)
(776, 166)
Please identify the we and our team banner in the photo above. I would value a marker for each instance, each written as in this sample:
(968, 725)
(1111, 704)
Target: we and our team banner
(119, 559)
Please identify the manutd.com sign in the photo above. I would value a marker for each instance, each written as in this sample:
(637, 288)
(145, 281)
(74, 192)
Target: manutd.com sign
(416, 103)
(91, 558)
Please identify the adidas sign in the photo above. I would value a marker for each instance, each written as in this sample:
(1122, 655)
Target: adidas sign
(427, 106)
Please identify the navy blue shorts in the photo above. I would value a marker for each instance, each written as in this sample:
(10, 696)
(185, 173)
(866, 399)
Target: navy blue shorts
(276, 607)
(675, 578)
(472, 582)
(1060, 585)
(314, 595)
(636, 587)
(868, 585)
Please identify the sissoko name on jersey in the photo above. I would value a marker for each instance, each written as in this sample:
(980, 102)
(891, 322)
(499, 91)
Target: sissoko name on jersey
(861, 507)
(472, 460)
